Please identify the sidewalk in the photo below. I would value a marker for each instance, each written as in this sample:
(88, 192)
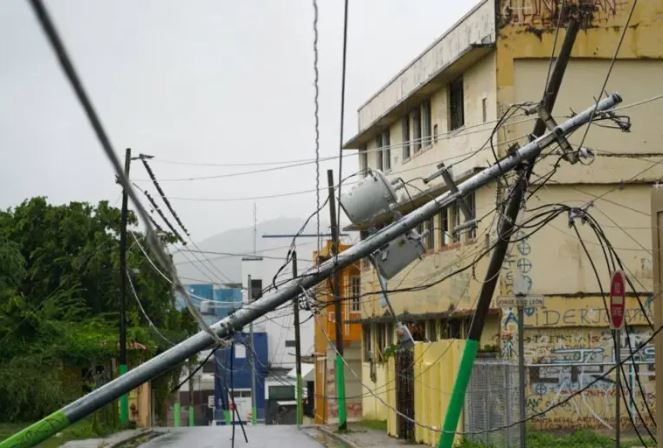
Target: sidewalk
(360, 436)
(110, 441)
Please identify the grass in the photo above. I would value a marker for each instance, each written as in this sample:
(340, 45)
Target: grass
(374, 424)
(577, 439)
(84, 429)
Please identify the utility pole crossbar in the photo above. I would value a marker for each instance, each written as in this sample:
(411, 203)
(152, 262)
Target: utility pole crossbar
(202, 340)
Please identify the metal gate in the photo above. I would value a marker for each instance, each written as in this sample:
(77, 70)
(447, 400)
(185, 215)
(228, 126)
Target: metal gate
(405, 393)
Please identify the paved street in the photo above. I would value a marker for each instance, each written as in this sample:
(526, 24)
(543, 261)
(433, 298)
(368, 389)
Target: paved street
(280, 436)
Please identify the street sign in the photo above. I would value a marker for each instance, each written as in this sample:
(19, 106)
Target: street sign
(617, 300)
(525, 301)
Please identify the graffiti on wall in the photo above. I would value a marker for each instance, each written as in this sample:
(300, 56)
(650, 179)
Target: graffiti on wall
(563, 363)
(546, 13)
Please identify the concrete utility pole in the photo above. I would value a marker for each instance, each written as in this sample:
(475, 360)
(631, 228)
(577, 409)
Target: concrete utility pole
(202, 340)
(340, 368)
(504, 232)
(657, 255)
(298, 348)
(124, 399)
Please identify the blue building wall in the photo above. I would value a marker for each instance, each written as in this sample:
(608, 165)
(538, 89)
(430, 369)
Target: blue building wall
(241, 372)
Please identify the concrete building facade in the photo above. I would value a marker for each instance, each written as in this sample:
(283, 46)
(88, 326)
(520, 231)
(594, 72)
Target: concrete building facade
(444, 107)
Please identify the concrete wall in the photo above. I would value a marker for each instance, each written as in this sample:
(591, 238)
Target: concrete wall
(475, 28)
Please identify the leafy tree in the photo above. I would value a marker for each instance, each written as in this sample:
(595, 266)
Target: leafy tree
(59, 303)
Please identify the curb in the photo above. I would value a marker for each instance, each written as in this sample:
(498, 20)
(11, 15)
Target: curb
(132, 437)
(336, 436)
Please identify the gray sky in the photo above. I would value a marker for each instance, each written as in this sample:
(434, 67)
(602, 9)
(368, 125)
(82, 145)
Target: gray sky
(210, 82)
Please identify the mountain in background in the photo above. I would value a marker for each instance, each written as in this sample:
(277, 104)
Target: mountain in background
(231, 245)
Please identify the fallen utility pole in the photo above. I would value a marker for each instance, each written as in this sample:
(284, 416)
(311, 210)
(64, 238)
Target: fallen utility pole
(335, 287)
(505, 229)
(202, 340)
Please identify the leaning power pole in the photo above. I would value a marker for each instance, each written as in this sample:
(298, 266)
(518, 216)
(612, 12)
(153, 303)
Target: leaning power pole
(84, 406)
(124, 399)
(335, 287)
(505, 230)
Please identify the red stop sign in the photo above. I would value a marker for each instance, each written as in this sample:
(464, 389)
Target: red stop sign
(617, 300)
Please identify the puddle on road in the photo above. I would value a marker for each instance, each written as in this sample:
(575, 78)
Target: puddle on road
(324, 439)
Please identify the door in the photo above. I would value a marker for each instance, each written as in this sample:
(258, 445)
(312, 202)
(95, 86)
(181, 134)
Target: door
(405, 393)
(242, 398)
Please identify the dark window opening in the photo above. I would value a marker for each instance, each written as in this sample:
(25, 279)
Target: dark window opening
(456, 104)
(405, 127)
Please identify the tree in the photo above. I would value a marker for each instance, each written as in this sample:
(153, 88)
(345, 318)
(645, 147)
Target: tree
(59, 302)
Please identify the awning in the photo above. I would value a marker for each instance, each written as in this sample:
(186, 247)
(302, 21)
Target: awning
(308, 372)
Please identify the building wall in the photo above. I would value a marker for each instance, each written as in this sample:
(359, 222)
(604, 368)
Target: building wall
(571, 328)
(326, 406)
(615, 187)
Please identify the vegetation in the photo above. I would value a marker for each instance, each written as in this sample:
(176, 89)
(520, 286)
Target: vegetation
(59, 302)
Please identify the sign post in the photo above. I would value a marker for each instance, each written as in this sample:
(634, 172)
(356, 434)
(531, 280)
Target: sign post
(617, 305)
(521, 301)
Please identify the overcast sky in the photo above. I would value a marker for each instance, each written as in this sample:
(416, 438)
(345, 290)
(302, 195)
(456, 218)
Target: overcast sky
(206, 82)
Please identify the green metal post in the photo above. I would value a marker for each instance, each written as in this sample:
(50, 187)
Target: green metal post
(227, 417)
(192, 418)
(458, 393)
(177, 415)
(124, 400)
(340, 391)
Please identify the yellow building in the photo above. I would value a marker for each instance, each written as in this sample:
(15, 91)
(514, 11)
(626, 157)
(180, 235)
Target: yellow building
(326, 408)
(443, 107)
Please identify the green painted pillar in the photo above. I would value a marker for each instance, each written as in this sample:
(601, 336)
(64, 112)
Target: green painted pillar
(227, 416)
(124, 401)
(340, 391)
(458, 394)
(177, 414)
(254, 416)
(192, 416)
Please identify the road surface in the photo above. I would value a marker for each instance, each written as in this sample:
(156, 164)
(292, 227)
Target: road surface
(260, 436)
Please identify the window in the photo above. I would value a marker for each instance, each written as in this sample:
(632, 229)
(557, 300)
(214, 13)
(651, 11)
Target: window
(240, 351)
(405, 128)
(471, 232)
(426, 123)
(458, 219)
(456, 104)
(484, 109)
(429, 238)
(378, 152)
(380, 342)
(416, 127)
(435, 133)
(366, 332)
(355, 292)
(444, 228)
(383, 151)
(290, 343)
(363, 160)
(455, 329)
(389, 334)
(208, 367)
(432, 330)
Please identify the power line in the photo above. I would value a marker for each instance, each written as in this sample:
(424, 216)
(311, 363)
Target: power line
(316, 110)
(162, 194)
(75, 82)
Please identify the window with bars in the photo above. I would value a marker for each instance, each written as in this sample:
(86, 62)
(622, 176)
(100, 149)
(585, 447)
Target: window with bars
(426, 123)
(355, 292)
(405, 133)
(366, 333)
(416, 129)
(445, 238)
(363, 160)
(382, 141)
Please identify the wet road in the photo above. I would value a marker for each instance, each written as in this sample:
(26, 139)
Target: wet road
(273, 436)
